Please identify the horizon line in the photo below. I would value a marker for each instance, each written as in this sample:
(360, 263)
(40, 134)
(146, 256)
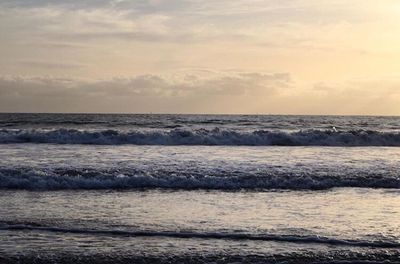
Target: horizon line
(214, 114)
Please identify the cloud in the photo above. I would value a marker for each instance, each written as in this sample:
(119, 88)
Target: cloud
(63, 94)
(200, 92)
(92, 41)
(173, 21)
(367, 96)
(50, 64)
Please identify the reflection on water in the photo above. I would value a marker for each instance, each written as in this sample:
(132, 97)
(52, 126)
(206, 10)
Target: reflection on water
(363, 215)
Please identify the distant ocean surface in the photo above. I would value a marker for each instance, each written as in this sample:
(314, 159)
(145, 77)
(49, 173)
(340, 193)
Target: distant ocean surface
(110, 188)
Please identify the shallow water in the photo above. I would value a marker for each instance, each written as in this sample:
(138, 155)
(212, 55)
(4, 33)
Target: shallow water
(166, 224)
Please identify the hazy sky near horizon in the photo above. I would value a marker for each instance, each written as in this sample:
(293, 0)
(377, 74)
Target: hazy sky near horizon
(201, 56)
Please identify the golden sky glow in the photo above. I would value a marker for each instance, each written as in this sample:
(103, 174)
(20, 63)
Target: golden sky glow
(240, 56)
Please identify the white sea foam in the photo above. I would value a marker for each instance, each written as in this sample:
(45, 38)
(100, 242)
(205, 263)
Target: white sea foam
(35, 179)
(202, 137)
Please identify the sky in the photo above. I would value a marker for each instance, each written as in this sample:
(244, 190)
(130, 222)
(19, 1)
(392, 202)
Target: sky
(339, 57)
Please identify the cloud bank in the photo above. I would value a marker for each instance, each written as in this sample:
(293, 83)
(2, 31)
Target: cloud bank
(228, 92)
(153, 93)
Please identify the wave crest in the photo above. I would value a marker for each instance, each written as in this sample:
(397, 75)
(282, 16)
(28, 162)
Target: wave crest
(203, 137)
(67, 178)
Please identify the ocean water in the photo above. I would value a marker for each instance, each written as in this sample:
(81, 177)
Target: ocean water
(95, 188)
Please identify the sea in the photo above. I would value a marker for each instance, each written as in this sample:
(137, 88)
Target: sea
(147, 188)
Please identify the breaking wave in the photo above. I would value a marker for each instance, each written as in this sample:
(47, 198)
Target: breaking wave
(203, 137)
(93, 179)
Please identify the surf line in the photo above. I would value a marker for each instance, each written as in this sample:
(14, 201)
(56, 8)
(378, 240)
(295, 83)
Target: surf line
(225, 236)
